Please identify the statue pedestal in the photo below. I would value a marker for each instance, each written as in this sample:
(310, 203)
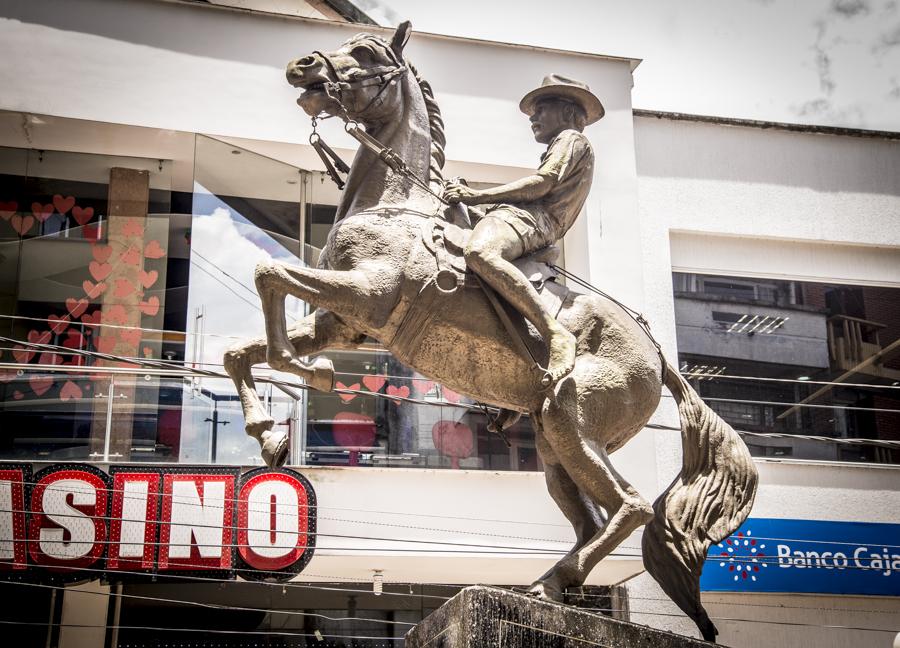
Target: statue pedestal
(482, 617)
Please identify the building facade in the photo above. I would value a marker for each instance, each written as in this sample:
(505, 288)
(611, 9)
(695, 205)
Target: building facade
(151, 154)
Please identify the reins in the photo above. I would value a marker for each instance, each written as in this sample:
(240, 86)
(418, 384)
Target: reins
(334, 164)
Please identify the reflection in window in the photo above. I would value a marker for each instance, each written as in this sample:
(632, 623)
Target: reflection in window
(85, 260)
(795, 357)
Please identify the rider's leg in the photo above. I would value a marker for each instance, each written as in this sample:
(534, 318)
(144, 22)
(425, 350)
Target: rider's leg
(493, 245)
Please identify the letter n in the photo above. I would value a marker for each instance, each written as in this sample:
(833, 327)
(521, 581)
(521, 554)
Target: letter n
(197, 520)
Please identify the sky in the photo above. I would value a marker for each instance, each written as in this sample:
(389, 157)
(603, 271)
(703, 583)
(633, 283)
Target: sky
(822, 62)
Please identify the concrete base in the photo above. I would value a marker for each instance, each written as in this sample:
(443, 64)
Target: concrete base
(486, 617)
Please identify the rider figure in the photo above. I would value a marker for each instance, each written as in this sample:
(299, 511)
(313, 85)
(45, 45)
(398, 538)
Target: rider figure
(536, 211)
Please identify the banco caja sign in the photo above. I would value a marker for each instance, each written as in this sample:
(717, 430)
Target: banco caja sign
(72, 522)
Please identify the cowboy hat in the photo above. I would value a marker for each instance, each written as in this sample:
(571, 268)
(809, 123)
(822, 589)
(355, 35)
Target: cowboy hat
(555, 85)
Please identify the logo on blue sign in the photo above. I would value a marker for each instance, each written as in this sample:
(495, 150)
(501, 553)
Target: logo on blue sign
(806, 556)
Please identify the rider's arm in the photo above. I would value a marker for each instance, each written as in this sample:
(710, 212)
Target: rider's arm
(529, 189)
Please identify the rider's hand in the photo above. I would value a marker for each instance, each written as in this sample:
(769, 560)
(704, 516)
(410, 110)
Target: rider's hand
(458, 193)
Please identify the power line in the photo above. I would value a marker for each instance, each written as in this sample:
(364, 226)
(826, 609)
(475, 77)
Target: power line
(219, 268)
(265, 633)
(217, 606)
(226, 286)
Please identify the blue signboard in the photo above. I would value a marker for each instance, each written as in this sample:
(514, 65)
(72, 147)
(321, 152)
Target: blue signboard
(807, 556)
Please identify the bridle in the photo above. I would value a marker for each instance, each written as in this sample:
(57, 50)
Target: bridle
(380, 76)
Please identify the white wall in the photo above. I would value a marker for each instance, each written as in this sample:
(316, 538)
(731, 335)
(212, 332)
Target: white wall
(754, 202)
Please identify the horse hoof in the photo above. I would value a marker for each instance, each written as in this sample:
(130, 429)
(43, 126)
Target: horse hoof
(546, 592)
(275, 449)
(323, 375)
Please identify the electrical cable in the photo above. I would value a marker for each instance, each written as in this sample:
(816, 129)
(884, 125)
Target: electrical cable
(219, 268)
(226, 286)
(215, 631)
(217, 606)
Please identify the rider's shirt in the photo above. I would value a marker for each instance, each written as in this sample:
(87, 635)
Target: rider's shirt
(569, 162)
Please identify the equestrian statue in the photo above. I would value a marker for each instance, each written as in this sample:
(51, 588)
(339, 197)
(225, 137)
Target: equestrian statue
(468, 298)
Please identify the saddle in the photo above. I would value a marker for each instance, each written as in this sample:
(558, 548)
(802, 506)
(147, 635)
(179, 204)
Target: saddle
(446, 240)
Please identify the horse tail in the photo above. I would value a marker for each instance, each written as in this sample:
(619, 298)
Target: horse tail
(705, 504)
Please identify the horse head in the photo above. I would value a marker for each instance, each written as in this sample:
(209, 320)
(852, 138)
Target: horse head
(360, 81)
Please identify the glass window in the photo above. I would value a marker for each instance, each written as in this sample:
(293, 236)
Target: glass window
(85, 257)
(797, 358)
(114, 260)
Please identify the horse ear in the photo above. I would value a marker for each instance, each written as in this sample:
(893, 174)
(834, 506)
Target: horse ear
(400, 37)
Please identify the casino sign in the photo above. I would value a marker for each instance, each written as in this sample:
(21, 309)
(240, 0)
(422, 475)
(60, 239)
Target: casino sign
(74, 522)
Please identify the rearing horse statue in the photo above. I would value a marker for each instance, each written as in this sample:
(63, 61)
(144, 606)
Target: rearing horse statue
(385, 273)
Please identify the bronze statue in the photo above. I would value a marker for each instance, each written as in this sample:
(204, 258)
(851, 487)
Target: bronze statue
(545, 205)
(394, 269)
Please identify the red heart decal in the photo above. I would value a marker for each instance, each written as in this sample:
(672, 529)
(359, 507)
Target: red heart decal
(131, 256)
(374, 383)
(106, 343)
(423, 386)
(124, 288)
(154, 250)
(450, 395)
(353, 430)
(69, 391)
(83, 216)
(40, 384)
(51, 359)
(77, 308)
(133, 227)
(148, 278)
(93, 290)
(454, 440)
(346, 397)
(7, 209)
(102, 253)
(403, 392)
(18, 395)
(99, 271)
(22, 223)
(74, 340)
(150, 307)
(41, 212)
(58, 323)
(131, 336)
(63, 204)
(21, 354)
(92, 319)
(38, 338)
(91, 232)
(115, 314)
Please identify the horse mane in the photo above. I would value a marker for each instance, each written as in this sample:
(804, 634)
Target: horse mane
(436, 126)
(435, 121)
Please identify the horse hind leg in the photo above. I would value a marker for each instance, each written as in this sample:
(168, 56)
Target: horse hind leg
(593, 474)
(314, 333)
(585, 516)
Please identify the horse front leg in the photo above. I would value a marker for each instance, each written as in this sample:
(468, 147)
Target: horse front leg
(364, 295)
(316, 332)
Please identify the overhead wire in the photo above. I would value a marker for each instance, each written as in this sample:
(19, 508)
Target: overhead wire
(218, 606)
